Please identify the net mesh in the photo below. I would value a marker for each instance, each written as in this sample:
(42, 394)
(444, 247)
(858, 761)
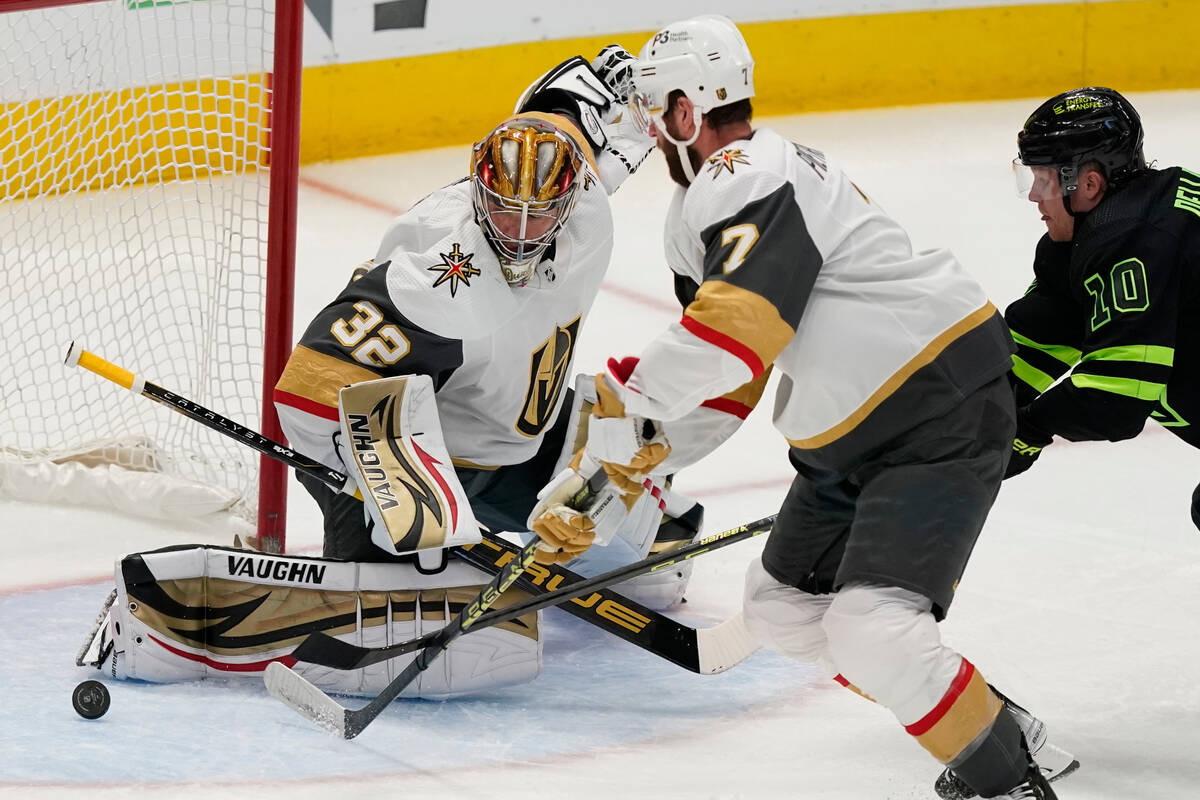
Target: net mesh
(133, 153)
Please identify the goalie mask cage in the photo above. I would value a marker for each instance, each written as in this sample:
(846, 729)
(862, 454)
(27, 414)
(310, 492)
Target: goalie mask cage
(148, 159)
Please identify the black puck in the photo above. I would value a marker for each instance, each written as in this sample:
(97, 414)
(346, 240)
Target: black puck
(91, 699)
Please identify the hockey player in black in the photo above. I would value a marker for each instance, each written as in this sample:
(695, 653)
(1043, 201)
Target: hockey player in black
(1116, 293)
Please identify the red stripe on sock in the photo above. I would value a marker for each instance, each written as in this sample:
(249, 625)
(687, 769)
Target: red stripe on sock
(957, 686)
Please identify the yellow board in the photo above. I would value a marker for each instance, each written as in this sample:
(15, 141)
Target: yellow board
(836, 63)
(451, 99)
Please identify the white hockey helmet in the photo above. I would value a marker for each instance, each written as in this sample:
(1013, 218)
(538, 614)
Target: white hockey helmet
(705, 57)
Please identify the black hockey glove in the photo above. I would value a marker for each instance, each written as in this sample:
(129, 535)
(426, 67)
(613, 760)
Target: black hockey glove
(1027, 446)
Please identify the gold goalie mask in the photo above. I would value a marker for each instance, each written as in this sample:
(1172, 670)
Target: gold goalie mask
(525, 178)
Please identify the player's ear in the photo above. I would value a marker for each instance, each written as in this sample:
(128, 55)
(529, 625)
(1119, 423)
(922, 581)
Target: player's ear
(681, 113)
(1093, 184)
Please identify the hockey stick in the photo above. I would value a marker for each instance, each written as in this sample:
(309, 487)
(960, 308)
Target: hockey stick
(294, 691)
(327, 651)
(690, 648)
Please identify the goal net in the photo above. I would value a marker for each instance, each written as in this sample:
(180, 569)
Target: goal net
(144, 195)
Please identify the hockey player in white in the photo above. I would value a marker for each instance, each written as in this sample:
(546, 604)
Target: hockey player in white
(892, 395)
(473, 305)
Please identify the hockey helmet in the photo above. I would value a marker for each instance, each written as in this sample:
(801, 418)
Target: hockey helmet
(1092, 124)
(705, 57)
(526, 175)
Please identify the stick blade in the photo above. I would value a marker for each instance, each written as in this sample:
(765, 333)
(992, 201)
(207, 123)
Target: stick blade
(326, 651)
(294, 691)
(724, 646)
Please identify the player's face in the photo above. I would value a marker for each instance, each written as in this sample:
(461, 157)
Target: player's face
(1047, 193)
(508, 224)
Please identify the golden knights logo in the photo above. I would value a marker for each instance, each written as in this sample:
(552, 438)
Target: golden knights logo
(725, 160)
(547, 374)
(455, 268)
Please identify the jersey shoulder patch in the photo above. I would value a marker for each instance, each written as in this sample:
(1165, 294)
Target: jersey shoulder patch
(730, 179)
(452, 289)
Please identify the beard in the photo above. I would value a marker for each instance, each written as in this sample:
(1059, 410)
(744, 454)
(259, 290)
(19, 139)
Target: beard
(675, 165)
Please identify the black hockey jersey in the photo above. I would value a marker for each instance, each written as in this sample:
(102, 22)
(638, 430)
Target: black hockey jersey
(1118, 306)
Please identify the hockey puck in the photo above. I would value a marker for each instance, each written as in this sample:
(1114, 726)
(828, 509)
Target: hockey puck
(91, 699)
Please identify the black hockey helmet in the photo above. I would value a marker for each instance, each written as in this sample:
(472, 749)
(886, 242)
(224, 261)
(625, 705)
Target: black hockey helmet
(1080, 126)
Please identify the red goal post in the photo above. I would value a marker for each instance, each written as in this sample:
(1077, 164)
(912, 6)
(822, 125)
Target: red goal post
(149, 154)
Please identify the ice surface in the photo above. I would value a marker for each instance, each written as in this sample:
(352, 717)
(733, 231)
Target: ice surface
(1080, 601)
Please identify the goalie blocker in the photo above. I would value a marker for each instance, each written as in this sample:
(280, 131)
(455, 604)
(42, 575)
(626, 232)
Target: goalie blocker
(191, 612)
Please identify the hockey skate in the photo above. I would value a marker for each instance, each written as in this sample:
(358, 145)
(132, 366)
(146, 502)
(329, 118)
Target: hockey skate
(1034, 787)
(1051, 762)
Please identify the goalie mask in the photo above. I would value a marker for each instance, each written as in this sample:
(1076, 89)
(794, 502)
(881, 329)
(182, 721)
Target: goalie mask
(525, 178)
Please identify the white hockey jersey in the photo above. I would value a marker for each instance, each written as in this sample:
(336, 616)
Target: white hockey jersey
(781, 260)
(434, 302)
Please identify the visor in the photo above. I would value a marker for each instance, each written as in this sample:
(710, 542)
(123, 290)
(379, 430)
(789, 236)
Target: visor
(646, 116)
(1036, 179)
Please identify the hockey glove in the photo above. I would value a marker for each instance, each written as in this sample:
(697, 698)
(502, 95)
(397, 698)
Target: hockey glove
(1027, 446)
(578, 508)
(572, 88)
(626, 147)
(627, 446)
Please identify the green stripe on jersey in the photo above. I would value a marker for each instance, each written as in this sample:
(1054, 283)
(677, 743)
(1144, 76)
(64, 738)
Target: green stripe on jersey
(1141, 353)
(1126, 387)
(1031, 375)
(1061, 352)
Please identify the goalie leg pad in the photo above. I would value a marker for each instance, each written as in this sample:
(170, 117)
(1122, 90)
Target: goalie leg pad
(198, 612)
(682, 521)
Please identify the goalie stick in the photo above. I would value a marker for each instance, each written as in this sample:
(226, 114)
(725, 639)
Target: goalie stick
(680, 644)
(327, 651)
(304, 698)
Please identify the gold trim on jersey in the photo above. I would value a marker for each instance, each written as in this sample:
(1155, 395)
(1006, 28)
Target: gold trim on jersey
(743, 315)
(318, 377)
(923, 358)
(465, 464)
(749, 393)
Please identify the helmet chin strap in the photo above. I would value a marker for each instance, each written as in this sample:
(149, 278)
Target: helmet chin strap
(1065, 181)
(1066, 198)
(685, 158)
